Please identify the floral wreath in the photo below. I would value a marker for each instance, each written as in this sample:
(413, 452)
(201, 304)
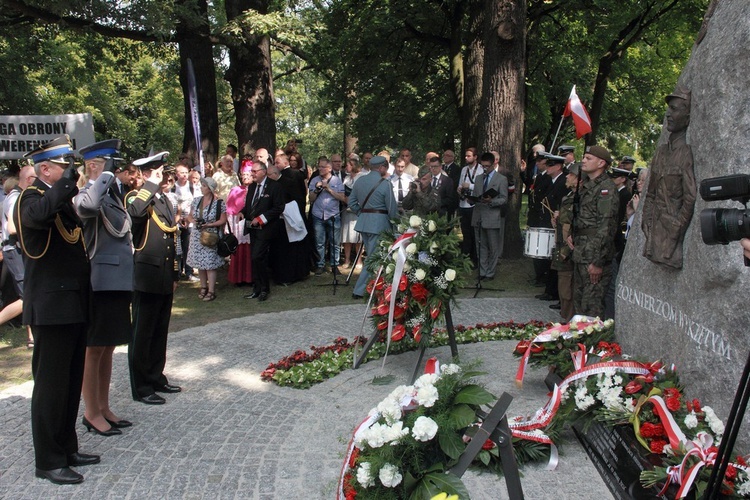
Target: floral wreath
(422, 262)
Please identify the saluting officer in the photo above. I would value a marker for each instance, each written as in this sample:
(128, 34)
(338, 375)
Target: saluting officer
(155, 281)
(106, 228)
(55, 304)
(594, 233)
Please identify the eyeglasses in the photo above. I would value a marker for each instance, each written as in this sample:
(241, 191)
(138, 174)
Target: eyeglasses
(256, 170)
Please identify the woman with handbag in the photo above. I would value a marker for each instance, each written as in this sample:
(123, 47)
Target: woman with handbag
(209, 217)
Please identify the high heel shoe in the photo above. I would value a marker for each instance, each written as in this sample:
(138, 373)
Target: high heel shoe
(120, 424)
(112, 431)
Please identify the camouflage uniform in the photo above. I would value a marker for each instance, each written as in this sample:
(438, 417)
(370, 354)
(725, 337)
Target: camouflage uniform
(561, 258)
(593, 238)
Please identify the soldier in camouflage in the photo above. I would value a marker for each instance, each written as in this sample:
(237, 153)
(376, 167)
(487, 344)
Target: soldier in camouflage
(594, 230)
(562, 260)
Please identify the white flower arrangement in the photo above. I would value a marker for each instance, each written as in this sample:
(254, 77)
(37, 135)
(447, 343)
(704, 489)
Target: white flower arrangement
(431, 226)
(420, 274)
(714, 422)
(390, 476)
(691, 420)
(415, 221)
(427, 396)
(363, 475)
(450, 274)
(411, 248)
(424, 429)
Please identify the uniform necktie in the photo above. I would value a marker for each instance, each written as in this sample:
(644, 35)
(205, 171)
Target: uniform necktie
(400, 190)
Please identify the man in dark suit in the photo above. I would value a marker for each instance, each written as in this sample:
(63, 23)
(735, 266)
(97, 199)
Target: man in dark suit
(55, 304)
(154, 283)
(262, 213)
(452, 170)
(444, 186)
(536, 218)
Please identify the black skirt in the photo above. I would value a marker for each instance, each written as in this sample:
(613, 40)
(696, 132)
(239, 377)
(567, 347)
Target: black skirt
(110, 318)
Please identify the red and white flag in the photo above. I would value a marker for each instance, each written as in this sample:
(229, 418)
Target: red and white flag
(581, 118)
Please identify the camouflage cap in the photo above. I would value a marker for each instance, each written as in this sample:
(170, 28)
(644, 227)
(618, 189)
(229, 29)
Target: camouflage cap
(599, 152)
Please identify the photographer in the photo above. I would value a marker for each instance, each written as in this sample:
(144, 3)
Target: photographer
(421, 199)
(326, 193)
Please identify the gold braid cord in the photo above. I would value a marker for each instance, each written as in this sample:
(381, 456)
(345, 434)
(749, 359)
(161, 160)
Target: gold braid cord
(160, 224)
(71, 237)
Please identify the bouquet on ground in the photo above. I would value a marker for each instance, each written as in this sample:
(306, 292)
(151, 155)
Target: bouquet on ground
(408, 443)
(417, 271)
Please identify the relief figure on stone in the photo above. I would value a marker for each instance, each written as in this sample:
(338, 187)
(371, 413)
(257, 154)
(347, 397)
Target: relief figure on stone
(670, 195)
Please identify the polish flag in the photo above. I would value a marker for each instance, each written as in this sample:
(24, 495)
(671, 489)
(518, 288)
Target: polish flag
(581, 118)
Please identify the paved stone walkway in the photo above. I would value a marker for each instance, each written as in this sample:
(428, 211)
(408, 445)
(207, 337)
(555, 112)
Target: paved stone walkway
(229, 435)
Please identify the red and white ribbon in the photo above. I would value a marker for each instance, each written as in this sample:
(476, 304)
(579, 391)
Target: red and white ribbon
(674, 433)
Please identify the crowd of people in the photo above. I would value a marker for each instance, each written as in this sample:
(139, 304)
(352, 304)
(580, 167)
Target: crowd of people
(96, 251)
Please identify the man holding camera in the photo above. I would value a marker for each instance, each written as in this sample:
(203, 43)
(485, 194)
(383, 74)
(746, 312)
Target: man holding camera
(421, 199)
(326, 195)
(154, 283)
(593, 233)
(56, 306)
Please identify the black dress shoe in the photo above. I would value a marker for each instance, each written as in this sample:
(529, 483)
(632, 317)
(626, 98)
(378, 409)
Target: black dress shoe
(81, 459)
(253, 295)
(169, 389)
(153, 399)
(120, 424)
(65, 475)
(557, 306)
(263, 296)
(112, 431)
(356, 296)
(545, 296)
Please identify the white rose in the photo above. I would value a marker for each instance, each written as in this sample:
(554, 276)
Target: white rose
(415, 221)
(390, 476)
(420, 274)
(434, 247)
(407, 266)
(363, 475)
(411, 248)
(450, 274)
(431, 226)
(424, 429)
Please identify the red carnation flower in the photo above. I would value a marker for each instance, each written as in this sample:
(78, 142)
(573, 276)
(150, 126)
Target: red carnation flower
(657, 446)
(731, 474)
(488, 445)
(633, 387)
(696, 406)
(671, 392)
(419, 292)
(673, 404)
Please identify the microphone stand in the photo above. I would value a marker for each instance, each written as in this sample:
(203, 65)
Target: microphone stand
(334, 268)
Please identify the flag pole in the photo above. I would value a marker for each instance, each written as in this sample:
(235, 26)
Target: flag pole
(552, 147)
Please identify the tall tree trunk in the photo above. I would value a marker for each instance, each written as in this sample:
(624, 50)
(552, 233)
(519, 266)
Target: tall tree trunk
(473, 69)
(350, 114)
(456, 61)
(597, 101)
(199, 50)
(502, 116)
(250, 77)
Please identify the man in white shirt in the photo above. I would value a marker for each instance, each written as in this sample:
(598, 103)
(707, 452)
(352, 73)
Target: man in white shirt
(400, 181)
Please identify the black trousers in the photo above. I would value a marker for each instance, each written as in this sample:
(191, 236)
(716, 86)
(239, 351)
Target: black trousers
(185, 243)
(260, 250)
(57, 366)
(467, 245)
(147, 353)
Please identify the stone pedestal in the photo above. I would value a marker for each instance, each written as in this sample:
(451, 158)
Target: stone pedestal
(698, 317)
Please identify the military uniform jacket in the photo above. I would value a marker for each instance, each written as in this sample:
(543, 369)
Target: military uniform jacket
(56, 284)
(562, 254)
(540, 188)
(375, 216)
(596, 222)
(106, 228)
(490, 216)
(155, 265)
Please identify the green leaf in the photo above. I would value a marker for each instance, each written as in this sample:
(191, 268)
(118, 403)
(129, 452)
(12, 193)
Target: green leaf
(451, 443)
(462, 416)
(473, 395)
(484, 456)
(437, 482)
(383, 380)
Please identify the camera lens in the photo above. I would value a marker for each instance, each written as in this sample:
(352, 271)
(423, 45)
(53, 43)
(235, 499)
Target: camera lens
(724, 225)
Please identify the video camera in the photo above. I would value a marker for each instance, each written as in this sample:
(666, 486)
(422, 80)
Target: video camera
(724, 225)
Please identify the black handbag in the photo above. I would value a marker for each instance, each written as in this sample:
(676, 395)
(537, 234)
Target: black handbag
(227, 243)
